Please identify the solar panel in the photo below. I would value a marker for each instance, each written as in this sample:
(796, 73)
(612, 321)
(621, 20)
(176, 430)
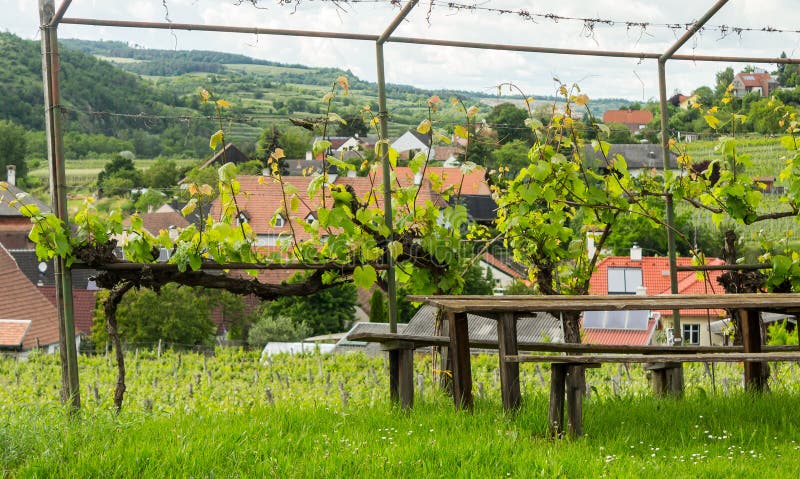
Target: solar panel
(635, 320)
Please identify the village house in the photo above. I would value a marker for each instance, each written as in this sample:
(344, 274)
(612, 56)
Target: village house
(758, 81)
(638, 157)
(14, 226)
(650, 275)
(27, 319)
(635, 120)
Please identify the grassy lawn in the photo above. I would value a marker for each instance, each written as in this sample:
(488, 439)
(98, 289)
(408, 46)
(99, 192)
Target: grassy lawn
(231, 416)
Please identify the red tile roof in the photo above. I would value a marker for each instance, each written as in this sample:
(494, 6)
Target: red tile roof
(262, 198)
(637, 117)
(157, 221)
(495, 262)
(83, 306)
(20, 299)
(626, 337)
(755, 79)
(474, 182)
(12, 332)
(655, 277)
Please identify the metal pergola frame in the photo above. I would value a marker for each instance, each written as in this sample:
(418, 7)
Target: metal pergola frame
(51, 18)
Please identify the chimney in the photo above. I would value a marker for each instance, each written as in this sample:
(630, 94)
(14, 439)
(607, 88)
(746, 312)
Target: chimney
(12, 175)
(265, 172)
(418, 178)
(590, 244)
(636, 252)
(308, 156)
(351, 173)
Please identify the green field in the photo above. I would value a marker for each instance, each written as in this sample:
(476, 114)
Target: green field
(187, 415)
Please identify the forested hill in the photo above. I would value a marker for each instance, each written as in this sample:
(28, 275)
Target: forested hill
(88, 86)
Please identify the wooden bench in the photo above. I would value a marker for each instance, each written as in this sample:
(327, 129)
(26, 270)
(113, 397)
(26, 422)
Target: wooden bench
(567, 376)
(506, 310)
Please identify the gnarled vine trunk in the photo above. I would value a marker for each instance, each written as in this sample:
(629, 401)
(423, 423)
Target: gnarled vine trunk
(110, 308)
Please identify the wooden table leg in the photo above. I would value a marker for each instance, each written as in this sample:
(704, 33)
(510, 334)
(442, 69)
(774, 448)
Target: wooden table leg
(406, 379)
(462, 368)
(509, 372)
(555, 416)
(574, 386)
(755, 378)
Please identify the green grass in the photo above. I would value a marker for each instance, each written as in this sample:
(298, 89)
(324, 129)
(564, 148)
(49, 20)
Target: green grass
(227, 427)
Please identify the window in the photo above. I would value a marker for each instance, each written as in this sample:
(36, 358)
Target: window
(691, 333)
(279, 221)
(310, 218)
(624, 280)
(267, 240)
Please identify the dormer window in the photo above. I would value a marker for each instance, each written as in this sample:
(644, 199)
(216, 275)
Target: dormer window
(310, 218)
(242, 218)
(278, 221)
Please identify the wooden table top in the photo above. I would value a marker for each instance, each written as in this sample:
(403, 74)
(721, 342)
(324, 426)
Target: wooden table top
(780, 302)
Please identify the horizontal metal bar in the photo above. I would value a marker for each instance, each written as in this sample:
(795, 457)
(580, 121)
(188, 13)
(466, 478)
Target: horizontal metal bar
(125, 266)
(218, 28)
(692, 30)
(419, 41)
(62, 9)
(725, 267)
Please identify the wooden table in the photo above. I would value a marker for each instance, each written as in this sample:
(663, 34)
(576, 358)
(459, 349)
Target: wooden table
(507, 309)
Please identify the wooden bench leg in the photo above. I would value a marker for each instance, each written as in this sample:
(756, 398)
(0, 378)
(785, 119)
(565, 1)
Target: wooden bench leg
(509, 372)
(406, 377)
(462, 367)
(555, 416)
(401, 372)
(755, 373)
(574, 385)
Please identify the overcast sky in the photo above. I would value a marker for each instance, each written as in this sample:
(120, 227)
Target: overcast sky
(439, 67)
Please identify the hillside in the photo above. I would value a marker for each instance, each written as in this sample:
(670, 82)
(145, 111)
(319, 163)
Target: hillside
(118, 97)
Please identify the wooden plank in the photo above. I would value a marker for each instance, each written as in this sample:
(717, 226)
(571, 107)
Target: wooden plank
(420, 341)
(394, 375)
(462, 367)
(495, 304)
(754, 373)
(574, 386)
(673, 358)
(555, 415)
(406, 378)
(509, 372)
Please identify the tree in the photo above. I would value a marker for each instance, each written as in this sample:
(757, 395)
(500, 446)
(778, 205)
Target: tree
(294, 140)
(176, 314)
(279, 328)
(118, 176)
(323, 312)
(509, 122)
(149, 200)
(478, 281)
(377, 308)
(355, 126)
(724, 78)
(513, 155)
(619, 134)
(12, 148)
(162, 174)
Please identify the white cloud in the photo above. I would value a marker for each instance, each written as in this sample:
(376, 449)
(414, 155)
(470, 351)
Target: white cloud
(436, 67)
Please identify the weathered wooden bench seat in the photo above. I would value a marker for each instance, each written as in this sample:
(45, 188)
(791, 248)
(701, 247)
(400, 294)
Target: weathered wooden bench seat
(568, 367)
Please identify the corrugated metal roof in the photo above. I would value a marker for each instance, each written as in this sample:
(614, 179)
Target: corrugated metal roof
(365, 327)
(543, 327)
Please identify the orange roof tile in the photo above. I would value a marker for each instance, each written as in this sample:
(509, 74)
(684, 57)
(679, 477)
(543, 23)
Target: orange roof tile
(83, 306)
(20, 299)
(12, 332)
(638, 117)
(655, 277)
(624, 337)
